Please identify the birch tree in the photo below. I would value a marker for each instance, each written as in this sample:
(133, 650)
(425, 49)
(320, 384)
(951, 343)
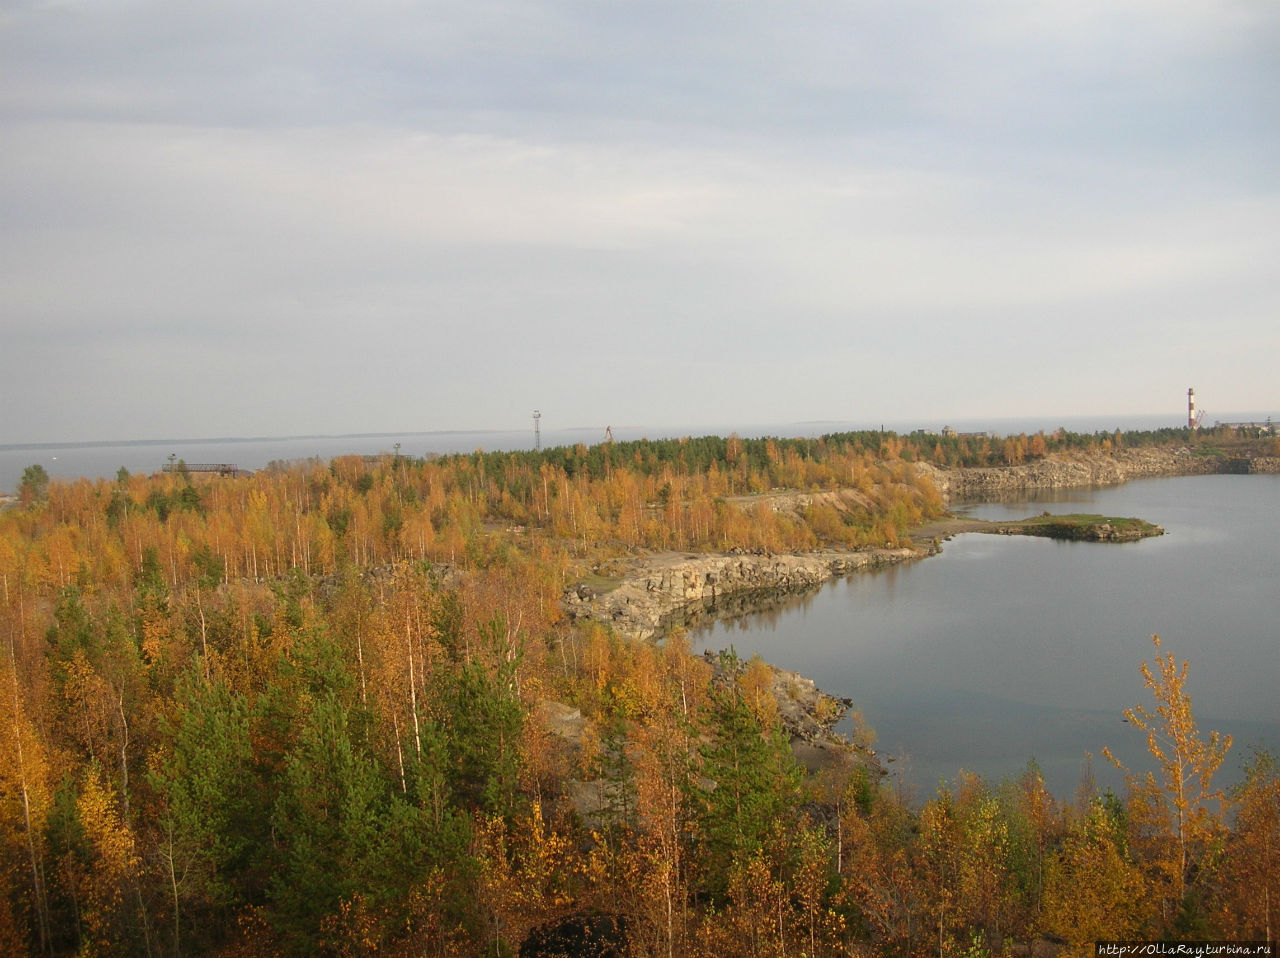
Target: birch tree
(1187, 763)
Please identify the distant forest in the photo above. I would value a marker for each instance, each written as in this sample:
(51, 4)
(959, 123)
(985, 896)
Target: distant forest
(314, 711)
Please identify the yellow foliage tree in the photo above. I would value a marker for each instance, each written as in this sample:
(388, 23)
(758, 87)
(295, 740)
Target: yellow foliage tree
(527, 874)
(1091, 890)
(1251, 876)
(1187, 765)
(25, 796)
(105, 878)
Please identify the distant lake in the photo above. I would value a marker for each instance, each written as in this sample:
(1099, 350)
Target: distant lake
(1004, 649)
(103, 459)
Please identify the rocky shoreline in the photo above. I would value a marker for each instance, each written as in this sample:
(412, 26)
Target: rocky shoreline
(806, 715)
(684, 588)
(1088, 469)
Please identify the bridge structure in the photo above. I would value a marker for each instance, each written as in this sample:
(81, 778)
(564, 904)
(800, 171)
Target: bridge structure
(220, 468)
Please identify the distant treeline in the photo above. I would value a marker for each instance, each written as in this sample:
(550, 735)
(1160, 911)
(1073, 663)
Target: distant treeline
(761, 456)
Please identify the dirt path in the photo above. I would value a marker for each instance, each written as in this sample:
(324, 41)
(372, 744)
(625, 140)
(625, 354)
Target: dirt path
(946, 528)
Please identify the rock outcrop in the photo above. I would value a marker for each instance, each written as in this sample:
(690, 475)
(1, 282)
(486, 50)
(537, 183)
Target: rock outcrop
(1083, 469)
(682, 588)
(1252, 465)
(1088, 469)
(808, 717)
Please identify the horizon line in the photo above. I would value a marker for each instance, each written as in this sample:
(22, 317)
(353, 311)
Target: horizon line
(1176, 422)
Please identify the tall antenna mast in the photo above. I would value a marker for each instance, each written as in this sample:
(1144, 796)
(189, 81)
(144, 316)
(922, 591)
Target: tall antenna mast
(537, 431)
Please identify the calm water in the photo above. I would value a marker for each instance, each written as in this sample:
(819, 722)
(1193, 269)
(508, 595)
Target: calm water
(1007, 648)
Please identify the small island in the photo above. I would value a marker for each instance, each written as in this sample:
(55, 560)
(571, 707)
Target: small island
(1078, 527)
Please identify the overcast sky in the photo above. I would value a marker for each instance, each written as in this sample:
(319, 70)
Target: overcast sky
(269, 218)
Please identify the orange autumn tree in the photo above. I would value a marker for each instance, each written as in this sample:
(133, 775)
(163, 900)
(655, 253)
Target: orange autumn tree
(1184, 791)
(1251, 873)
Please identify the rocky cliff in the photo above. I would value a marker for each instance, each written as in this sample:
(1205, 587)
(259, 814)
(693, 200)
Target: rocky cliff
(681, 588)
(1084, 469)
(1251, 465)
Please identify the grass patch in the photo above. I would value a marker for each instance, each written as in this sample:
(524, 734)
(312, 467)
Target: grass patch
(600, 584)
(1081, 525)
(1088, 519)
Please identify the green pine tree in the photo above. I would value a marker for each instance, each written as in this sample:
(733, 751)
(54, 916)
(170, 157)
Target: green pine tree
(208, 823)
(749, 786)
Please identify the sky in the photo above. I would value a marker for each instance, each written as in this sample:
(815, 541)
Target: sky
(260, 218)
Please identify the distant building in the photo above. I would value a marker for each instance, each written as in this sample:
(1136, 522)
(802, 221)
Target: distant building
(951, 433)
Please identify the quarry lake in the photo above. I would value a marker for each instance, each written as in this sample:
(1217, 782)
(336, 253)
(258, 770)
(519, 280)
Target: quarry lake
(1003, 649)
